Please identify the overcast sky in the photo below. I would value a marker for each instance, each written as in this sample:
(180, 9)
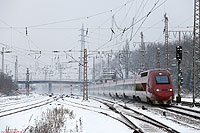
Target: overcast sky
(49, 28)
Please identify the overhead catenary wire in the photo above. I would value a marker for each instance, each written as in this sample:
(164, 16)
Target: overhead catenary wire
(80, 18)
(94, 15)
(145, 17)
(22, 49)
(21, 33)
(142, 8)
(43, 52)
(111, 18)
(155, 7)
(123, 20)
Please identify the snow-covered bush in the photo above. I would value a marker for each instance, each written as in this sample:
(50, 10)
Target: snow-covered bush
(55, 121)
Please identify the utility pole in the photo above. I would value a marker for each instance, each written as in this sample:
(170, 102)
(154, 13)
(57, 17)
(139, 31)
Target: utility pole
(45, 73)
(142, 52)
(93, 75)
(179, 38)
(16, 69)
(158, 57)
(166, 41)
(85, 83)
(50, 74)
(60, 70)
(6, 69)
(127, 55)
(100, 66)
(108, 62)
(196, 51)
(2, 53)
(81, 54)
(27, 82)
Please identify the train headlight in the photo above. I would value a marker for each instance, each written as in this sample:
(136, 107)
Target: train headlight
(170, 89)
(158, 90)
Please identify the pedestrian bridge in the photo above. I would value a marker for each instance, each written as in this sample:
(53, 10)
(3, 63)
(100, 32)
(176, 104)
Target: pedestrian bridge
(50, 82)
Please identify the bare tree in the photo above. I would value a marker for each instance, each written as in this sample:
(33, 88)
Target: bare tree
(7, 86)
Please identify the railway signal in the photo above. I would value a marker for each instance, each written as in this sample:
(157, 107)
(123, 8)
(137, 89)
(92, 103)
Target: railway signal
(71, 89)
(179, 53)
(180, 78)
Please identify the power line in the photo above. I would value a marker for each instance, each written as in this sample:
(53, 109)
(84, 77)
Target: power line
(81, 18)
(146, 17)
(141, 9)
(25, 36)
(143, 18)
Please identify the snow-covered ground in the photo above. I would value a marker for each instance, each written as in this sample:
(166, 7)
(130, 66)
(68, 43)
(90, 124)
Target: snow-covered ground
(166, 120)
(91, 121)
(20, 120)
(91, 114)
(187, 98)
(190, 99)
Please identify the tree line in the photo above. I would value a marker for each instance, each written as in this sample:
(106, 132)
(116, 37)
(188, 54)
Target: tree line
(7, 86)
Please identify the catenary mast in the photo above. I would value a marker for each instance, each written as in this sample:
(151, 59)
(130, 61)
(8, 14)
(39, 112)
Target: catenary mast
(196, 51)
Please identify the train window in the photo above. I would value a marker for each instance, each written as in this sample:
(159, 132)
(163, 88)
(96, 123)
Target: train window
(162, 79)
(139, 87)
(144, 74)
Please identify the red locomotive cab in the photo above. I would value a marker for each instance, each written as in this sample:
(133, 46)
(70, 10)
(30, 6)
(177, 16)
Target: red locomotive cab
(160, 87)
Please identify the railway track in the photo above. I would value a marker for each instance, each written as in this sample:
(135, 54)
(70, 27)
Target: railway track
(184, 111)
(18, 109)
(107, 112)
(187, 117)
(8, 100)
(185, 103)
(177, 114)
(148, 124)
(178, 109)
(10, 103)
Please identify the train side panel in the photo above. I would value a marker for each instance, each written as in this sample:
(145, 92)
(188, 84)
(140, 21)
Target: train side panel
(151, 86)
(129, 88)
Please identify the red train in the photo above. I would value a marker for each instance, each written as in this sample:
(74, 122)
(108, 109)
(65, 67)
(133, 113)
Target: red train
(153, 86)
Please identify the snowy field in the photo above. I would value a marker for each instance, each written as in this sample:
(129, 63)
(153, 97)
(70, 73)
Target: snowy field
(91, 120)
(89, 116)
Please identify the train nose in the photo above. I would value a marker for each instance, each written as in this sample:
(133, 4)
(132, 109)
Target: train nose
(164, 93)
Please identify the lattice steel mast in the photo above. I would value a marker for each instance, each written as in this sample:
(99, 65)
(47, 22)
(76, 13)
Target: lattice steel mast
(80, 77)
(85, 82)
(142, 52)
(196, 51)
(158, 58)
(166, 41)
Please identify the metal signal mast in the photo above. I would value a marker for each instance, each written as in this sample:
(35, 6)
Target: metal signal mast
(196, 51)
(27, 82)
(82, 53)
(166, 41)
(158, 58)
(85, 82)
(142, 51)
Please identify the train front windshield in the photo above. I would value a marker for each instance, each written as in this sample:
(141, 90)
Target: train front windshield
(162, 79)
